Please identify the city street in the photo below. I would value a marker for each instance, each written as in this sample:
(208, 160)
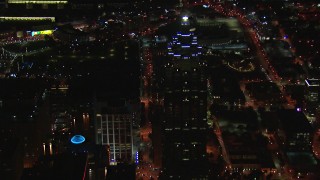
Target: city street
(146, 170)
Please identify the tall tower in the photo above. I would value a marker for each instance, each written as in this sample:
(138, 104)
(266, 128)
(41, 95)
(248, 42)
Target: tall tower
(185, 104)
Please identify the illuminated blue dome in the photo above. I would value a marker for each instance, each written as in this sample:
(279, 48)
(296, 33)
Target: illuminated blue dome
(77, 139)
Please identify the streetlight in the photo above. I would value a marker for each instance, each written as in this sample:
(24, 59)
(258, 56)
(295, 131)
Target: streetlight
(44, 148)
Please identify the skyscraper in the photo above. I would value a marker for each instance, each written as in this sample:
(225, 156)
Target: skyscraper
(185, 105)
(114, 130)
(312, 98)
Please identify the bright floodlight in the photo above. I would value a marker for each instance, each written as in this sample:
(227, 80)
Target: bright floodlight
(185, 18)
(77, 139)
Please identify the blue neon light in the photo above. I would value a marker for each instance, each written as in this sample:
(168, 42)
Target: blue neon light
(137, 157)
(77, 139)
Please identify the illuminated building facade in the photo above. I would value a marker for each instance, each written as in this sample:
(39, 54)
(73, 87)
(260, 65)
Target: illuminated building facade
(312, 98)
(61, 4)
(44, 4)
(115, 131)
(36, 2)
(21, 18)
(185, 104)
(184, 44)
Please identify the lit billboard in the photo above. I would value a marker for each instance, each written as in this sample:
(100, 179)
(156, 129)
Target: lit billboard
(47, 32)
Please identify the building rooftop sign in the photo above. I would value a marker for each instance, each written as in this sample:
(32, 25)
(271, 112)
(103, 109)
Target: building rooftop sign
(77, 139)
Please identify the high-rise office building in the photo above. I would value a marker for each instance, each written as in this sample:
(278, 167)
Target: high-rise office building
(114, 130)
(185, 104)
(312, 97)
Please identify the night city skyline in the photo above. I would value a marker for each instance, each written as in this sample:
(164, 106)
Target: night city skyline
(159, 89)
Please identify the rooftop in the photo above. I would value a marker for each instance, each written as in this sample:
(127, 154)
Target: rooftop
(62, 166)
(20, 88)
(293, 121)
(312, 82)
(301, 159)
(121, 171)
